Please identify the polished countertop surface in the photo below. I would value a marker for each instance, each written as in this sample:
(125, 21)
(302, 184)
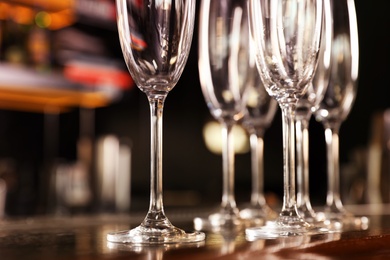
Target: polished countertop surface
(84, 237)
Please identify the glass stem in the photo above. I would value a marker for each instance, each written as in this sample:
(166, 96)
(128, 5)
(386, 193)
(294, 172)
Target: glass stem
(228, 200)
(156, 215)
(289, 208)
(333, 201)
(302, 135)
(257, 152)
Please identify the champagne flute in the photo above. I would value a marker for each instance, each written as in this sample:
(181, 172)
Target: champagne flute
(155, 38)
(223, 68)
(287, 36)
(337, 103)
(260, 111)
(302, 118)
(308, 103)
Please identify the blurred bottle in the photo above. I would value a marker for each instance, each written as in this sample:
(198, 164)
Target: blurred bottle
(38, 46)
(113, 174)
(367, 174)
(378, 163)
(3, 195)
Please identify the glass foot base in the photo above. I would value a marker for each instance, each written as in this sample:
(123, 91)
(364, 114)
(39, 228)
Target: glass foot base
(335, 216)
(356, 222)
(307, 213)
(344, 222)
(257, 216)
(258, 210)
(145, 235)
(274, 229)
(218, 222)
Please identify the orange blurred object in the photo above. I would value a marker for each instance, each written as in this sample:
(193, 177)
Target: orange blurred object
(60, 13)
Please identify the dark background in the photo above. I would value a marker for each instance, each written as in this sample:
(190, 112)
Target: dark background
(188, 165)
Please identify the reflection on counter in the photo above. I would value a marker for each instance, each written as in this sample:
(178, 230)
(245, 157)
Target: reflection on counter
(84, 237)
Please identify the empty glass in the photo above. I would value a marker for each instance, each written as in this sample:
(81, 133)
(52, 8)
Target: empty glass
(305, 108)
(223, 68)
(287, 36)
(155, 38)
(260, 111)
(337, 103)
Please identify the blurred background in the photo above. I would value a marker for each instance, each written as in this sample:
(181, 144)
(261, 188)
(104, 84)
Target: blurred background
(74, 129)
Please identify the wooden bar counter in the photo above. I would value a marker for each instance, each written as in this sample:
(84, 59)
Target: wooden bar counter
(84, 237)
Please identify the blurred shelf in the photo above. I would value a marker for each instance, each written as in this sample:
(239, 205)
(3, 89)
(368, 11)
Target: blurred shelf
(27, 90)
(90, 82)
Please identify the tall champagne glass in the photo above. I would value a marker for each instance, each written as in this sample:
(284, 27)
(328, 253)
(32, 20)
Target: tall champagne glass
(155, 37)
(287, 35)
(338, 101)
(260, 111)
(302, 119)
(223, 68)
(306, 106)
